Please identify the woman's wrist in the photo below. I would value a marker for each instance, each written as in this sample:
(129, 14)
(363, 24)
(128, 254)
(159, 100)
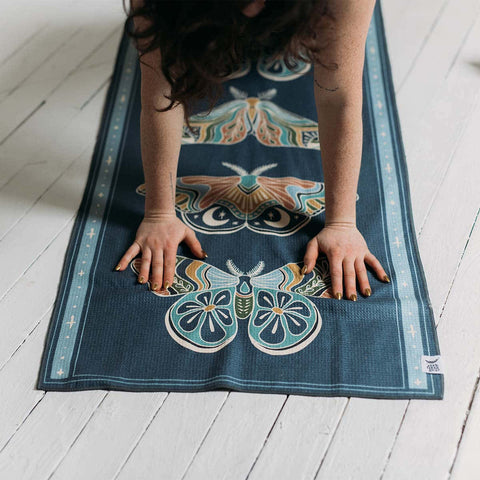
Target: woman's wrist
(156, 215)
(340, 223)
(159, 206)
(340, 220)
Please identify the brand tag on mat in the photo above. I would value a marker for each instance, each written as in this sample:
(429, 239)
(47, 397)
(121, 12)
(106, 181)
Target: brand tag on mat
(432, 364)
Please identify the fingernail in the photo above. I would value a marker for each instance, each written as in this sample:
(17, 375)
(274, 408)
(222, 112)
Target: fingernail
(141, 279)
(338, 295)
(386, 279)
(304, 269)
(204, 253)
(155, 286)
(117, 267)
(167, 284)
(368, 292)
(353, 297)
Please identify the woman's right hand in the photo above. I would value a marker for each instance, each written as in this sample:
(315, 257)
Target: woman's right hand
(157, 239)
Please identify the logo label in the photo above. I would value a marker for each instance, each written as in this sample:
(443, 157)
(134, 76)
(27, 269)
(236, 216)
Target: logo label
(432, 364)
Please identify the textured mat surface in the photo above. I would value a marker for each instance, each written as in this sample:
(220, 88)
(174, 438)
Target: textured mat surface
(250, 183)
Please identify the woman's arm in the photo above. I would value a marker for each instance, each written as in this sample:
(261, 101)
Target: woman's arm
(160, 133)
(338, 98)
(161, 231)
(160, 138)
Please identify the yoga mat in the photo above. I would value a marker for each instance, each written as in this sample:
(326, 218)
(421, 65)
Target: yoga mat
(250, 183)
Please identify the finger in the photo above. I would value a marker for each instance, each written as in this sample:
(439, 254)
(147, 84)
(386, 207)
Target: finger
(310, 257)
(145, 265)
(349, 277)
(130, 254)
(157, 269)
(169, 258)
(193, 243)
(362, 277)
(371, 260)
(336, 272)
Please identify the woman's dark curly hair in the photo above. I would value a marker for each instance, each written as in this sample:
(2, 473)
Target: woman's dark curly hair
(203, 41)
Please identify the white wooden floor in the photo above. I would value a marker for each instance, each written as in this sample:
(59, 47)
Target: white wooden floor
(56, 62)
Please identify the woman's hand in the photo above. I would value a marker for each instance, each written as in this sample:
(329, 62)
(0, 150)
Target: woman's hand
(158, 238)
(347, 253)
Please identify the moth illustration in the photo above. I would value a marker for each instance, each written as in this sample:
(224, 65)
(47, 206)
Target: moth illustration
(273, 68)
(281, 319)
(267, 205)
(231, 123)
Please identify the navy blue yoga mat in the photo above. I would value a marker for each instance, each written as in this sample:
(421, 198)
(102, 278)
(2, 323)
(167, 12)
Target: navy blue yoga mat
(250, 183)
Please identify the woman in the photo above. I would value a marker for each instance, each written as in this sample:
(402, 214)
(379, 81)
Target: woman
(187, 48)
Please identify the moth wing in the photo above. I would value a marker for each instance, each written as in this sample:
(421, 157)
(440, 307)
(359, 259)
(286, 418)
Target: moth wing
(295, 194)
(274, 68)
(209, 203)
(192, 275)
(226, 124)
(275, 126)
(203, 318)
(283, 319)
(292, 202)
(203, 321)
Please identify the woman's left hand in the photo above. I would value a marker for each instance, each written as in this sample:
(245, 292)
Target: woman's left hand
(347, 253)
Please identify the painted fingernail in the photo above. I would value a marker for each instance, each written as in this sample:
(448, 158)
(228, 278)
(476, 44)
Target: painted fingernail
(368, 292)
(386, 279)
(155, 286)
(141, 279)
(304, 269)
(338, 295)
(117, 268)
(167, 284)
(204, 253)
(353, 297)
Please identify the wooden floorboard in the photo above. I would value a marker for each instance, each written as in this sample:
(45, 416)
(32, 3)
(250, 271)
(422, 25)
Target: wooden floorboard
(54, 76)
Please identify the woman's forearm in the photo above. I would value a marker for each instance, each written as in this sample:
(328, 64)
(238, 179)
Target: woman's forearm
(341, 136)
(161, 135)
(338, 93)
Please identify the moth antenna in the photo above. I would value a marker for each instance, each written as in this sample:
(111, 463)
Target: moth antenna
(237, 94)
(233, 268)
(267, 94)
(236, 168)
(262, 168)
(256, 269)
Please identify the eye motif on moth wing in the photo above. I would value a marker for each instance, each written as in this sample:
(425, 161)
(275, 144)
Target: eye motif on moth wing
(233, 121)
(281, 319)
(267, 205)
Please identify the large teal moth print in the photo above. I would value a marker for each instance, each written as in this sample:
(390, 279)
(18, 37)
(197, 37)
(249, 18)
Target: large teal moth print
(213, 304)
